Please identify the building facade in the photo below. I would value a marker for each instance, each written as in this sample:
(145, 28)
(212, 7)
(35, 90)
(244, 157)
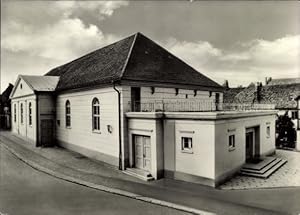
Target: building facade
(135, 106)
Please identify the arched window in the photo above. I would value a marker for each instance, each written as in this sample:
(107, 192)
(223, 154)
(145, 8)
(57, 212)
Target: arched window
(68, 114)
(15, 112)
(30, 113)
(21, 113)
(96, 114)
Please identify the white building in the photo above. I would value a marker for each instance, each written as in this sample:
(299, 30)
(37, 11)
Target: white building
(134, 105)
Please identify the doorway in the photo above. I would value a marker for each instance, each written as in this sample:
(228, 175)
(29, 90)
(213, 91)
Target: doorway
(252, 145)
(249, 146)
(47, 132)
(142, 152)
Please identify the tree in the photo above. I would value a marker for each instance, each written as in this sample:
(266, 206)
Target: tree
(286, 133)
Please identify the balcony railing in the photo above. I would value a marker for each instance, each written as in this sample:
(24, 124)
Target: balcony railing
(194, 106)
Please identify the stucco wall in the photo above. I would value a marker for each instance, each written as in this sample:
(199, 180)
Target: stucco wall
(153, 129)
(169, 145)
(201, 161)
(21, 91)
(227, 160)
(80, 136)
(169, 94)
(24, 129)
(23, 96)
(184, 95)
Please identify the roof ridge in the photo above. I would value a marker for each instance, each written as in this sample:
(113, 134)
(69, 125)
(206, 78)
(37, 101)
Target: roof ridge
(26, 81)
(129, 54)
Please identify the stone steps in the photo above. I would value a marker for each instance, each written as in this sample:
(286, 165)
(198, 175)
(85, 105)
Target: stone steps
(265, 170)
(139, 173)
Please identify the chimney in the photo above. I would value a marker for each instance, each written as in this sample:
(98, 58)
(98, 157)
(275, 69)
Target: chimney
(268, 80)
(258, 91)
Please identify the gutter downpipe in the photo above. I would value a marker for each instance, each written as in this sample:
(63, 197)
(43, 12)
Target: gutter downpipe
(37, 119)
(120, 136)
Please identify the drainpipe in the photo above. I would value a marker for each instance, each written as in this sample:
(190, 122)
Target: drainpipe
(120, 135)
(37, 119)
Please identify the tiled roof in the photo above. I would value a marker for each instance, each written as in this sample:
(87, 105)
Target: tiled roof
(284, 81)
(230, 93)
(41, 83)
(135, 58)
(283, 96)
(5, 95)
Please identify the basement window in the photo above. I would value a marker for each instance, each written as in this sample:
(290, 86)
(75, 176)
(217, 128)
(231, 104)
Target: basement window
(231, 142)
(187, 144)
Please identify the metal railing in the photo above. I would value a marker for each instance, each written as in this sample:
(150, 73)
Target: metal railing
(194, 106)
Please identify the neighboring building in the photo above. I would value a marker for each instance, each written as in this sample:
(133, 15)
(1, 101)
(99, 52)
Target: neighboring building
(5, 112)
(281, 81)
(283, 96)
(33, 108)
(136, 106)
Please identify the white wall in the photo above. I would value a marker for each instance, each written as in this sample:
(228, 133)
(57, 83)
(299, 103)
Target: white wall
(228, 160)
(201, 161)
(166, 94)
(23, 96)
(184, 95)
(153, 129)
(81, 134)
(24, 129)
(21, 91)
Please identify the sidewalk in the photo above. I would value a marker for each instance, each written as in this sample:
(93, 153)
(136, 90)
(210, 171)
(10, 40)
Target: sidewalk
(287, 176)
(171, 193)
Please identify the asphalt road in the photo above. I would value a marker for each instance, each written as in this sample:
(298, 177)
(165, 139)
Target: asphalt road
(24, 190)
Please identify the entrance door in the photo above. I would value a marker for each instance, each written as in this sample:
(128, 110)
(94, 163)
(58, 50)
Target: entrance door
(135, 99)
(250, 146)
(142, 152)
(47, 132)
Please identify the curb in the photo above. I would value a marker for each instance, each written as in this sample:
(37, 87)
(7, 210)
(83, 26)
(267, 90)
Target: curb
(107, 189)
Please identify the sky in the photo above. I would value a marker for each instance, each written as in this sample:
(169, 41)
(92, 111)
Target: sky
(238, 41)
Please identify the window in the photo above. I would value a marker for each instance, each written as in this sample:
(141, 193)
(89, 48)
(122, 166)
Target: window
(268, 131)
(231, 143)
(294, 114)
(30, 113)
(186, 144)
(217, 101)
(21, 86)
(15, 112)
(68, 114)
(22, 113)
(96, 114)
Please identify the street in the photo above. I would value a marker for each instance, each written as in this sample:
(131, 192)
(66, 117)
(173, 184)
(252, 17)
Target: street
(24, 190)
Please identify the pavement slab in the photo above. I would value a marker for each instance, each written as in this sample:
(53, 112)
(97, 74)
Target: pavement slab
(286, 176)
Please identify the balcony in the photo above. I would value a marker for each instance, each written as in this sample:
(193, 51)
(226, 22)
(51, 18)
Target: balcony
(194, 106)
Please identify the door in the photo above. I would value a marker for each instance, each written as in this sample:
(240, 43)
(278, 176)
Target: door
(142, 152)
(135, 98)
(47, 132)
(249, 146)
